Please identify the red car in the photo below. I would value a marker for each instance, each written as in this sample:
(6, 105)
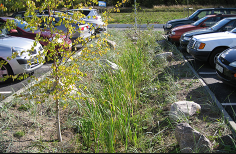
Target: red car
(204, 22)
(22, 31)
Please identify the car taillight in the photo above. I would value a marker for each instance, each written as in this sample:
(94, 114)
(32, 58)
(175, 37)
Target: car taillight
(96, 18)
(87, 27)
(82, 28)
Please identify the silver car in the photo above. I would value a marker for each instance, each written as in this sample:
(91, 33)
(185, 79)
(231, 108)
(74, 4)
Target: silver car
(92, 17)
(26, 60)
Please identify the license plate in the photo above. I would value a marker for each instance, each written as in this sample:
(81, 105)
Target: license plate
(219, 68)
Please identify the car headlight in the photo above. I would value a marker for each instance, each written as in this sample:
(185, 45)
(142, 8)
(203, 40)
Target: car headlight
(18, 51)
(187, 38)
(233, 64)
(199, 45)
(168, 25)
(173, 33)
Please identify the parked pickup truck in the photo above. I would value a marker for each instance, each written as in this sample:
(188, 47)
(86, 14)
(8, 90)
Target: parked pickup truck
(206, 47)
(198, 14)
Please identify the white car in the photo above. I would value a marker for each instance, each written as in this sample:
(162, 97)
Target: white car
(92, 16)
(206, 47)
(26, 60)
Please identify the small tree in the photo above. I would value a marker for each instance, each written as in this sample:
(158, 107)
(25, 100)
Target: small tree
(63, 74)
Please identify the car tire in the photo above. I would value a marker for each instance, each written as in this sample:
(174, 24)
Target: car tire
(214, 55)
(4, 71)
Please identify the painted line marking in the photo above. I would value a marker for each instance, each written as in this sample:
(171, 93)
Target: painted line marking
(5, 92)
(231, 104)
(206, 72)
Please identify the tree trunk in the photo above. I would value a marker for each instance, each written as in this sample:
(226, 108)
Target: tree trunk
(58, 122)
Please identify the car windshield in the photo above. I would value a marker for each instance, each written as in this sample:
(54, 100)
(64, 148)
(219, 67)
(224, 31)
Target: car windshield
(23, 25)
(194, 14)
(196, 23)
(219, 24)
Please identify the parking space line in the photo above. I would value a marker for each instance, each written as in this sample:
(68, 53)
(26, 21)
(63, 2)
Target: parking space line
(5, 92)
(206, 73)
(228, 104)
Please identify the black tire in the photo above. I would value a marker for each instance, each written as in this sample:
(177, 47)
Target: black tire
(4, 71)
(214, 55)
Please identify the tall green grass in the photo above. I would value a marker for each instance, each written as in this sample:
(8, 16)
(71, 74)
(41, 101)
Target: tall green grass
(117, 110)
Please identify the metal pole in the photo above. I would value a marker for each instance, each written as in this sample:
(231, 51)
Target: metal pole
(188, 8)
(135, 14)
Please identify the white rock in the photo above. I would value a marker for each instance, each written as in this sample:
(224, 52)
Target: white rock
(181, 109)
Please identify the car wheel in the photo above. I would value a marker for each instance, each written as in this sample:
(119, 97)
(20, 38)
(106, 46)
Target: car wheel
(213, 56)
(5, 70)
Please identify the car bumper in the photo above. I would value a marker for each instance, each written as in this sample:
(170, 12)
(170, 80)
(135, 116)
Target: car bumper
(173, 38)
(20, 65)
(226, 73)
(199, 55)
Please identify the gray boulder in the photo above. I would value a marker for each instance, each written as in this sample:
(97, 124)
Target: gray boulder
(190, 140)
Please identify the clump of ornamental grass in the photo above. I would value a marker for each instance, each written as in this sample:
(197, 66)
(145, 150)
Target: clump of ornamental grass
(118, 105)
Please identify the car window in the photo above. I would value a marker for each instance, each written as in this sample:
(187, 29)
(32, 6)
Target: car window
(203, 14)
(232, 12)
(229, 26)
(85, 12)
(219, 24)
(196, 23)
(23, 25)
(45, 24)
(211, 21)
(220, 11)
(95, 12)
(19, 15)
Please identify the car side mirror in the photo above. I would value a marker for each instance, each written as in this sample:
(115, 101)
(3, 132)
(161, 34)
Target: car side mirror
(13, 31)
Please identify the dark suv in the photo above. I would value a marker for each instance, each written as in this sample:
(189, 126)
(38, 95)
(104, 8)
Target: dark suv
(198, 14)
